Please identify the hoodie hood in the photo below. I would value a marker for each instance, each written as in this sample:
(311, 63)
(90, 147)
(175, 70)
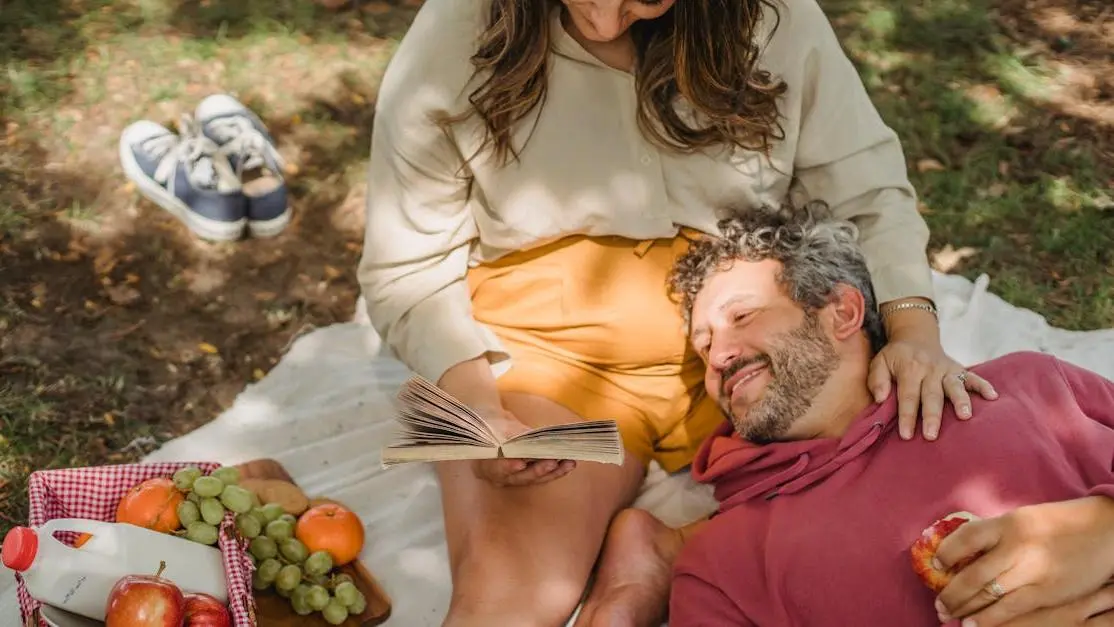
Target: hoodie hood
(742, 471)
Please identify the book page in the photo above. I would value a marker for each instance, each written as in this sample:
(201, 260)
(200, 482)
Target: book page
(425, 406)
(434, 426)
(593, 440)
(402, 453)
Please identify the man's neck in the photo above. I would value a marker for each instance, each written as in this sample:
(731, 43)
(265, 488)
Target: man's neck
(843, 399)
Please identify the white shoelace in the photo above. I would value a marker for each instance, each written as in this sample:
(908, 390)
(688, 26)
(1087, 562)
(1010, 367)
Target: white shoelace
(205, 166)
(240, 139)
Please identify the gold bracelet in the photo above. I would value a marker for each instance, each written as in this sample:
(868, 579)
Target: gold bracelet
(886, 311)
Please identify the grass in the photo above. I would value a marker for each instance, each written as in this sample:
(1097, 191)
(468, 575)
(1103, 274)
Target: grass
(998, 168)
(1003, 167)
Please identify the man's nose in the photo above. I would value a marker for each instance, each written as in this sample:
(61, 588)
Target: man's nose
(721, 356)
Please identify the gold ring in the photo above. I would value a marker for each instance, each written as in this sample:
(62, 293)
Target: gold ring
(995, 589)
(962, 377)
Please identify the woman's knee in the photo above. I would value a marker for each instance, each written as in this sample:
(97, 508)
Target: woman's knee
(538, 601)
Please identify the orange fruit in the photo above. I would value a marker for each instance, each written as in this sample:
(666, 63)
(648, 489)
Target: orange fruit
(81, 540)
(333, 528)
(152, 504)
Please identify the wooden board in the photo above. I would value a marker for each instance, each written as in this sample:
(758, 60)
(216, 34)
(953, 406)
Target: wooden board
(272, 610)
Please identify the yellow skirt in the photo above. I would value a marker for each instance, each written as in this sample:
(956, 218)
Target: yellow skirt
(589, 325)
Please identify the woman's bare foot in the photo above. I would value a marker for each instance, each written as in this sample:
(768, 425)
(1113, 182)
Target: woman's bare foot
(631, 588)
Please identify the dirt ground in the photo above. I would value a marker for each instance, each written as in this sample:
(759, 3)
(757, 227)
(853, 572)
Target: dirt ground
(119, 330)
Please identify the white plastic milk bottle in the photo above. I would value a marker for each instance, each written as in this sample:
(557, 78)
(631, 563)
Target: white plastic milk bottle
(79, 580)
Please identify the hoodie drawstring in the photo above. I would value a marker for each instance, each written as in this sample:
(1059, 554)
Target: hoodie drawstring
(791, 481)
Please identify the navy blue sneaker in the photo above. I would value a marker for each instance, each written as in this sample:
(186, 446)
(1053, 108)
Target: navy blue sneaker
(186, 175)
(250, 149)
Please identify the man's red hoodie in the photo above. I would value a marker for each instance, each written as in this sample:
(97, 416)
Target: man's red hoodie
(817, 532)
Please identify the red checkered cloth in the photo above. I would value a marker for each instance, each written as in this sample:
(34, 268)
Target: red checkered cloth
(93, 493)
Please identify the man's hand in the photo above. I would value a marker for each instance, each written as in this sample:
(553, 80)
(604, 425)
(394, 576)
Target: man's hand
(1093, 610)
(1041, 556)
(517, 472)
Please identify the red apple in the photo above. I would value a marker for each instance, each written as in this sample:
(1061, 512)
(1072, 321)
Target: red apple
(203, 610)
(145, 601)
(924, 549)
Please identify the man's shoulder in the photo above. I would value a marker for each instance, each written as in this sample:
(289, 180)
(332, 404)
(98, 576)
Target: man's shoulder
(1018, 363)
(718, 541)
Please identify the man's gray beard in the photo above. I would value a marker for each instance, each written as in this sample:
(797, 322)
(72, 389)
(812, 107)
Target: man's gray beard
(800, 362)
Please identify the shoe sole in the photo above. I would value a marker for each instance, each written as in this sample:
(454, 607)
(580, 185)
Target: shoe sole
(206, 228)
(269, 228)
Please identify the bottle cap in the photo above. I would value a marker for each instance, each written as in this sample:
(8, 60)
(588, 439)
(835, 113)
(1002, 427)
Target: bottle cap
(20, 546)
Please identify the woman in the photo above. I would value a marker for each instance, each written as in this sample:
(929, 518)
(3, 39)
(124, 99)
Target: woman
(533, 163)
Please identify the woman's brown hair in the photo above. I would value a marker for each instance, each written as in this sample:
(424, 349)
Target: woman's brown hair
(702, 50)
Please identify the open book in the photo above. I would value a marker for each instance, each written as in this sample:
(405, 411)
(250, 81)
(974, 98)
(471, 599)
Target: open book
(437, 427)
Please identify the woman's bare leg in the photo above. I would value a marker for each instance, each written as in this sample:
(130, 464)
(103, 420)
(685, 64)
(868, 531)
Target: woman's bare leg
(522, 556)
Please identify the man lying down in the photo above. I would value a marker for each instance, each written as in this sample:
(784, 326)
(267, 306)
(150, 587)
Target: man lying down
(820, 500)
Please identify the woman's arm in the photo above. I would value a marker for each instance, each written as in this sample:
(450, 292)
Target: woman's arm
(420, 222)
(421, 225)
(850, 159)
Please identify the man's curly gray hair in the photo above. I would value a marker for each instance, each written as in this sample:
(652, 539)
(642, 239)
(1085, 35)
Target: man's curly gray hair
(816, 253)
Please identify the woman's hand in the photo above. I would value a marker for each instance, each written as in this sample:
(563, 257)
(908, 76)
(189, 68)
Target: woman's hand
(1041, 556)
(472, 383)
(516, 472)
(924, 374)
(1093, 610)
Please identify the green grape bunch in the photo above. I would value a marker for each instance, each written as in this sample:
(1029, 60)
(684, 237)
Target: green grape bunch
(210, 497)
(282, 562)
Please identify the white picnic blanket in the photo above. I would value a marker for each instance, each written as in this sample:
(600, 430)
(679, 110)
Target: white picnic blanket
(325, 411)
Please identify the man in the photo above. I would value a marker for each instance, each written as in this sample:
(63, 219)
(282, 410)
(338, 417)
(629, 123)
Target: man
(820, 501)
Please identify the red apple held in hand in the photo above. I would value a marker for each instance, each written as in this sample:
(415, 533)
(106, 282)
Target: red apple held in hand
(145, 601)
(924, 549)
(203, 610)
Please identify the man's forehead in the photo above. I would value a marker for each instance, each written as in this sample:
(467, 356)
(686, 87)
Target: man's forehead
(745, 283)
(751, 279)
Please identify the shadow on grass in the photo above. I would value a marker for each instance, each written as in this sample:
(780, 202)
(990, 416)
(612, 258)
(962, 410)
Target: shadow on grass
(45, 43)
(1001, 165)
(226, 19)
(109, 346)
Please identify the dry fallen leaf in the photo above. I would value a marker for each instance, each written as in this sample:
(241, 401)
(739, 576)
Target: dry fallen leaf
(996, 190)
(377, 8)
(331, 272)
(109, 419)
(265, 296)
(208, 348)
(122, 295)
(929, 165)
(105, 261)
(948, 258)
(258, 374)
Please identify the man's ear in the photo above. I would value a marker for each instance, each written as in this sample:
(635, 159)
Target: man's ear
(848, 308)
